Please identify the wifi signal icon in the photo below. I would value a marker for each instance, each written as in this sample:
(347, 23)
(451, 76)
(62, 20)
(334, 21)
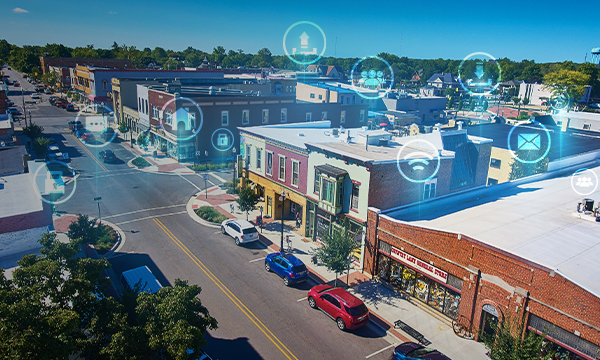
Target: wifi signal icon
(418, 163)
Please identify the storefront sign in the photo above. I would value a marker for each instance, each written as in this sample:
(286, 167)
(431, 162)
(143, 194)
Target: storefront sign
(419, 265)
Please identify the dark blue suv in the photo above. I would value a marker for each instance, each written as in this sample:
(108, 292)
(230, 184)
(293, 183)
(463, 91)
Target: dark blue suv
(289, 267)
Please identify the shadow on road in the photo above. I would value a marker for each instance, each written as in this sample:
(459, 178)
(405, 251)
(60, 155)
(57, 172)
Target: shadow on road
(239, 348)
(124, 262)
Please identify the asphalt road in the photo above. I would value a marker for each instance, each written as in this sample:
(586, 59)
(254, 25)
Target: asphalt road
(259, 318)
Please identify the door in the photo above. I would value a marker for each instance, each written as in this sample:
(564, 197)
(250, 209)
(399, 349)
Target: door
(270, 206)
(327, 304)
(280, 266)
(489, 316)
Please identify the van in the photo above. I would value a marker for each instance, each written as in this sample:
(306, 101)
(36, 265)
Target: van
(141, 275)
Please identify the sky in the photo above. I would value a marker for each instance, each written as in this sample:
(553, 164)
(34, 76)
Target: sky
(549, 31)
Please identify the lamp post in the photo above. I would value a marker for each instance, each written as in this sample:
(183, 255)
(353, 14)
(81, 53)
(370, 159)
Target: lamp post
(97, 199)
(24, 113)
(29, 111)
(261, 218)
(234, 150)
(282, 200)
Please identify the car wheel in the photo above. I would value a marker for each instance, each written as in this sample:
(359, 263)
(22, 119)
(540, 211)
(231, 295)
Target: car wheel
(341, 324)
(267, 267)
(223, 230)
(286, 281)
(237, 241)
(311, 302)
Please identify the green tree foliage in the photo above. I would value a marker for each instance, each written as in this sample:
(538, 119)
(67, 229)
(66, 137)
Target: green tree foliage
(507, 342)
(486, 104)
(516, 100)
(5, 49)
(337, 248)
(525, 101)
(50, 79)
(40, 146)
(84, 230)
(33, 131)
(593, 71)
(570, 81)
(123, 129)
(519, 169)
(247, 200)
(193, 60)
(142, 139)
(472, 104)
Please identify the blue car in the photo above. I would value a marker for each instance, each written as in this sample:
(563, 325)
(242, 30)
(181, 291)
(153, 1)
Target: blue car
(289, 267)
(414, 351)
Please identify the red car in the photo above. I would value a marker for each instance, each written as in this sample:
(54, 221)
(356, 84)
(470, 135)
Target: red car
(87, 137)
(16, 84)
(348, 311)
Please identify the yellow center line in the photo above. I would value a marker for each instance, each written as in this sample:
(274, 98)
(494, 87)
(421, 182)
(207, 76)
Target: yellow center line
(262, 327)
(89, 152)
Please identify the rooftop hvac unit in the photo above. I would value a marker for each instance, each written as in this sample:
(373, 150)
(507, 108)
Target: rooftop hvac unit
(383, 142)
(335, 131)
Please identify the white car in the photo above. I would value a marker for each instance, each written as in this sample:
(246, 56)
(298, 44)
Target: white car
(241, 230)
(35, 96)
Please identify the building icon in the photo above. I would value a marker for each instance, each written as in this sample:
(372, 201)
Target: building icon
(184, 115)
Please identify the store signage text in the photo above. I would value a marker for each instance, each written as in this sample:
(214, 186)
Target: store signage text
(420, 265)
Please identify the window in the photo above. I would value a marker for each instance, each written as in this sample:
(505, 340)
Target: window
(362, 116)
(245, 116)
(342, 100)
(155, 112)
(586, 126)
(495, 163)
(340, 193)
(105, 84)
(492, 181)
(317, 189)
(308, 117)
(295, 173)
(353, 99)
(258, 157)
(265, 116)
(140, 104)
(320, 97)
(312, 96)
(429, 189)
(324, 115)
(281, 168)
(248, 149)
(354, 197)
(224, 118)
(283, 115)
(169, 117)
(269, 163)
(343, 117)
(146, 107)
(327, 191)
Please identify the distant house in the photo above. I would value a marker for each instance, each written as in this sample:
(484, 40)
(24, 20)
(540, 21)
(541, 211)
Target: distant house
(334, 72)
(441, 82)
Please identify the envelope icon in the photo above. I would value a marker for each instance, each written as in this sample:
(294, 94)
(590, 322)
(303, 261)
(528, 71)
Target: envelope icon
(529, 142)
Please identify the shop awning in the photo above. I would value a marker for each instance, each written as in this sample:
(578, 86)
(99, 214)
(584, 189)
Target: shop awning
(332, 170)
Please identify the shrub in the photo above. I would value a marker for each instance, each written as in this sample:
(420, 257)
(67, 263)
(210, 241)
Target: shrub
(107, 237)
(209, 213)
(535, 114)
(140, 162)
(211, 166)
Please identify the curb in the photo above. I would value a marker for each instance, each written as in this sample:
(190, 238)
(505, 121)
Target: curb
(145, 169)
(195, 217)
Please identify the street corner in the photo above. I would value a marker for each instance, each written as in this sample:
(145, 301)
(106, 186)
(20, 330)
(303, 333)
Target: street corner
(195, 203)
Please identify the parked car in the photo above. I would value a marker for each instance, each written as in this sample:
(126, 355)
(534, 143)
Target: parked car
(289, 267)
(241, 230)
(16, 84)
(39, 89)
(414, 351)
(54, 153)
(9, 102)
(61, 103)
(107, 156)
(348, 311)
(13, 110)
(34, 96)
(76, 125)
(107, 134)
(48, 91)
(70, 107)
(88, 137)
(595, 106)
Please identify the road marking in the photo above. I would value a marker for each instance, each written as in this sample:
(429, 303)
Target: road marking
(92, 177)
(284, 350)
(257, 259)
(217, 176)
(139, 211)
(151, 217)
(302, 299)
(379, 351)
(194, 185)
(89, 152)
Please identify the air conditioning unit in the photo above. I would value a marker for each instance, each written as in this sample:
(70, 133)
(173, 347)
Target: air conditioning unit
(383, 142)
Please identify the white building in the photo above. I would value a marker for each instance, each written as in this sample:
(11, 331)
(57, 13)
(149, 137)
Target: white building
(538, 93)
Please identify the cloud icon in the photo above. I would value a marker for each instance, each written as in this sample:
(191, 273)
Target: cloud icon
(19, 10)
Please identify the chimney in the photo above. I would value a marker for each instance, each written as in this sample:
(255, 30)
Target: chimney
(438, 127)
(459, 124)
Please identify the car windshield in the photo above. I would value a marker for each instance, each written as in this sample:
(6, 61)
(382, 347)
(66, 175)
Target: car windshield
(298, 268)
(418, 352)
(357, 310)
(249, 231)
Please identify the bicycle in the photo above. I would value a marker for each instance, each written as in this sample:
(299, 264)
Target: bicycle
(232, 207)
(461, 330)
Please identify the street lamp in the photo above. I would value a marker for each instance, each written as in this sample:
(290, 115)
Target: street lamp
(29, 111)
(282, 200)
(261, 218)
(234, 150)
(97, 199)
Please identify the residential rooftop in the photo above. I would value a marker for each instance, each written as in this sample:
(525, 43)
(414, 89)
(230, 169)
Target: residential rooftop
(18, 196)
(536, 221)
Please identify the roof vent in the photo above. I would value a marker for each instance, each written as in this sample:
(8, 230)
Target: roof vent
(212, 90)
(335, 131)
(300, 134)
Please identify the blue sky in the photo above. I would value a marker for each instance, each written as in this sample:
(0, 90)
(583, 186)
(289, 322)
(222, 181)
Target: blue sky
(545, 32)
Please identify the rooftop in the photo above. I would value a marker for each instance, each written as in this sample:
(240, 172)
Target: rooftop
(17, 196)
(536, 221)
(11, 160)
(563, 144)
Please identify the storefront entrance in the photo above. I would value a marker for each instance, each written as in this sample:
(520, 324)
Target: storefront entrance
(489, 316)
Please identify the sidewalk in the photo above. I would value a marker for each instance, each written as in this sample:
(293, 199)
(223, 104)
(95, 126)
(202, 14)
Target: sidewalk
(385, 305)
(159, 164)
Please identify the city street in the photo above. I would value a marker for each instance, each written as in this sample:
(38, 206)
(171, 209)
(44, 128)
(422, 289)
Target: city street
(259, 318)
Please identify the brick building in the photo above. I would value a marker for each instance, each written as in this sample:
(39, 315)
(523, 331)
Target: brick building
(517, 248)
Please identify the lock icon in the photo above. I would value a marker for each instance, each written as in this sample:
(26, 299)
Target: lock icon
(223, 140)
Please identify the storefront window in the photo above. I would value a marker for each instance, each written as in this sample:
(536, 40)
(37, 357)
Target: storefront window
(451, 304)
(422, 287)
(436, 296)
(384, 267)
(408, 280)
(395, 274)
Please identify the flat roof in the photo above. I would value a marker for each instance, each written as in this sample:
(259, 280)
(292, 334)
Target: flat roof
(18, 196)
(536, 221)
(563, 144)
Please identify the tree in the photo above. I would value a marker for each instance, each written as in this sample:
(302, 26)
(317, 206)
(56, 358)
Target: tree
(516, 100)
(40, 146)
(520, 169)
(460, 105)
(33, 131)
(572, 82)
(83, 229)
(526, 101)
(508, 342)
(486, 104)
(449, 92)
(50, 79)
(142, 139)
(472, 105)
(123, 129)
(247, 200)
(193, 60)
(337, 248)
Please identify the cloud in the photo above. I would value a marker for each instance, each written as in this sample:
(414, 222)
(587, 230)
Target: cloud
(19, 10)
(112, 12)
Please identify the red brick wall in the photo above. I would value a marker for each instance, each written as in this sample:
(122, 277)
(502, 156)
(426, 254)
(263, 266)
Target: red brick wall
(502, 270)
(27, 221)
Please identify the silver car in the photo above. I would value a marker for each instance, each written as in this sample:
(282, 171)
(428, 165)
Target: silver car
(241, 230)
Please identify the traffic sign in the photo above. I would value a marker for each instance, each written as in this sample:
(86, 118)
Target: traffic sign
(205, 177)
